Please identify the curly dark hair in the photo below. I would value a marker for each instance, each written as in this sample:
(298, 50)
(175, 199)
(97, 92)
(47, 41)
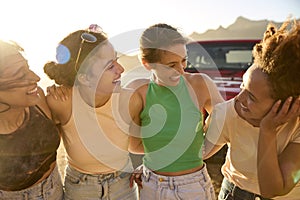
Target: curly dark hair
(65, 73)
(156, 38)
(278, 55)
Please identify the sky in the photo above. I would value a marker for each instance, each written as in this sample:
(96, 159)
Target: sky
(38, 25)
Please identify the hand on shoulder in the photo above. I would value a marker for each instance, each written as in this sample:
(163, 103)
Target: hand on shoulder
(59, 100)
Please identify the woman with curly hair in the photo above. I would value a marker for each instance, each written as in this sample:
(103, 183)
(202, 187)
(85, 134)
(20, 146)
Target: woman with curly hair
(262, 125)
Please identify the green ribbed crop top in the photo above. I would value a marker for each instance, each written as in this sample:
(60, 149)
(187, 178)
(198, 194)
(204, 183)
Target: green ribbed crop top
(171, 129)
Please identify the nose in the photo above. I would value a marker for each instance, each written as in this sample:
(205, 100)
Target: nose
(241, 96)
(33, 76)
(180, 69)
(120, 68)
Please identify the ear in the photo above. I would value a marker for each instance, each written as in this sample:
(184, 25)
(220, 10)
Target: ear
(146, 64)
(83, 79)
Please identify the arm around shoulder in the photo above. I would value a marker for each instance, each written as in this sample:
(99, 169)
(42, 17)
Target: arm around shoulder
(135, 109)
(61, 110)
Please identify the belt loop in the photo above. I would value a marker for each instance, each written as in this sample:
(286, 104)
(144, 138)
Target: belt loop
(83, 177)
(171, 183)
(25, 194)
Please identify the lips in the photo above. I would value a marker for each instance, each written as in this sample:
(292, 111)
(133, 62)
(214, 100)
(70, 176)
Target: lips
(117, 80)
(244, 108)
(32, 91)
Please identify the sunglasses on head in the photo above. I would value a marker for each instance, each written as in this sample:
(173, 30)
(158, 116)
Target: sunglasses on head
(88, 38)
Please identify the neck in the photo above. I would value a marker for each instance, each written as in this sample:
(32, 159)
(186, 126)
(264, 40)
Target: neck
(92, 99)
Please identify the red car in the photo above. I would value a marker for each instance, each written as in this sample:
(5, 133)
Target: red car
(225, 61)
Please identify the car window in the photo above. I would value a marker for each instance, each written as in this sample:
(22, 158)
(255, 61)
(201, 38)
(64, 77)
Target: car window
(220, 55)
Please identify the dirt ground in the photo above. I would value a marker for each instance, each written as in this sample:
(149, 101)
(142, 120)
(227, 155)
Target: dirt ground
(213, 165)
(214, 169)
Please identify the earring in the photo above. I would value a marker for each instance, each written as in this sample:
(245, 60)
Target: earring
(6, 109)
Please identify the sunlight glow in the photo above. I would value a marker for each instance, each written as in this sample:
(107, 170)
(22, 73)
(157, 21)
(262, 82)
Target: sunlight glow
(39, 25)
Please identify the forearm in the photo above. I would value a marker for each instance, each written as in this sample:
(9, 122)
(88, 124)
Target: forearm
(209, 149)
(270, 178)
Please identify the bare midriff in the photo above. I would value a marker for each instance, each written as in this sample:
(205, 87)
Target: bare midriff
(179, 173)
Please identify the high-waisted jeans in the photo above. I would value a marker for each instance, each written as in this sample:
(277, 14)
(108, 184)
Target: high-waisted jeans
(112, 186)
(197, 186)
(229, 191)
(49, 189)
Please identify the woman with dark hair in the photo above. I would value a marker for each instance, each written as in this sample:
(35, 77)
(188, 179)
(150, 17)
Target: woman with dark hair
(28, 137)
(93, 130)
(167, 119)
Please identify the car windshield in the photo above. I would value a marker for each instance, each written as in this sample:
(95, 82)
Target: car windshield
(220, 54)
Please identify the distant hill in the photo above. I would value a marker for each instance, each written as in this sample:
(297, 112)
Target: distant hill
(242, 28)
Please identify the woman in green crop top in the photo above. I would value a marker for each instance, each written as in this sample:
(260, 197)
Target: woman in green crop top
(167, 124)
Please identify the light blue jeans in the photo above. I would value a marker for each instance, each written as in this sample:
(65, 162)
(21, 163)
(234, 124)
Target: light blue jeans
(49, 189)
(196, 185)
(113, 186)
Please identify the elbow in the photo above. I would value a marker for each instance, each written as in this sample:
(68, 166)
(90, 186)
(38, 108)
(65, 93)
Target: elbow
(271, 195)
(274, 192)
(268, 195)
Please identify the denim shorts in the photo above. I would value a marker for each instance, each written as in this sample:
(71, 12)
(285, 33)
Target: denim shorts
(49, 189)
(229, 191)
(111, 186)
(197, 186)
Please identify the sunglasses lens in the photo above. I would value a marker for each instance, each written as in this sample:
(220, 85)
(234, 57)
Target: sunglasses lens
(87, 37)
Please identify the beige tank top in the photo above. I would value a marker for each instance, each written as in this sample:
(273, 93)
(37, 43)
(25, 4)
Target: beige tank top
(96, 139)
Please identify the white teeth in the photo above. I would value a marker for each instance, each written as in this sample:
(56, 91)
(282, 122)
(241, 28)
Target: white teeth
(116, 81)
(32, 91)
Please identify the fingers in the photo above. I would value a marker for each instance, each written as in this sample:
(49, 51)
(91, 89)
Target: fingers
(51, 90)
(289, 110)
(60, 92)
(131, 180)
(137, 178)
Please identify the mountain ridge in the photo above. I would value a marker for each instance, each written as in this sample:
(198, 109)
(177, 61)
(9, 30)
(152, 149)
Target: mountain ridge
(242, 28)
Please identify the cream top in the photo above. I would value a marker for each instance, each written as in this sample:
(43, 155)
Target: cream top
(93, 137)
(240, 165)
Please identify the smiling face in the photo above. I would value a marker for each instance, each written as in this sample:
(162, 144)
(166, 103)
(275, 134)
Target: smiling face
(254, 100)
(18, 83)
(104, 71)
(171, 65)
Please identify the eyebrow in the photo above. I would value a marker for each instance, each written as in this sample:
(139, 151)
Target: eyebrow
(15, 73)
(176, 61)
(111, 61)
